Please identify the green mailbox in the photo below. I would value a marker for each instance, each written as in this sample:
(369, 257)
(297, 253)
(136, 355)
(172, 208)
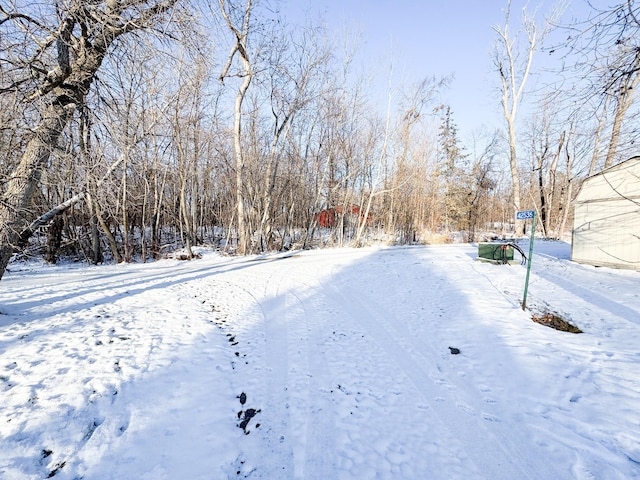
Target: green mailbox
(496, 252)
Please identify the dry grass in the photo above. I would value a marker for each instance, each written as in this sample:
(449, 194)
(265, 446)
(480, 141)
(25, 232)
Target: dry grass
(554, 321)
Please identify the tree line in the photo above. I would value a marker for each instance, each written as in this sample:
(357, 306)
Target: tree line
(132, 128)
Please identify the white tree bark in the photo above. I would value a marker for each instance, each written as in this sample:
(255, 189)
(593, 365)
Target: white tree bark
(240, 47)
(513, 77)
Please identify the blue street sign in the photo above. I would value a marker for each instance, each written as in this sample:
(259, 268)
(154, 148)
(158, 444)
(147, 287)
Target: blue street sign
(525, 214)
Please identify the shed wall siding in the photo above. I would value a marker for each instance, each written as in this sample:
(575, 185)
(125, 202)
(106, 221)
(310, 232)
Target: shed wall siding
(607, 234)
(606, 229)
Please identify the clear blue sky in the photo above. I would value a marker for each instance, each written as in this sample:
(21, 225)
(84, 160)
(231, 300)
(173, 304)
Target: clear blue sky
(431, 37)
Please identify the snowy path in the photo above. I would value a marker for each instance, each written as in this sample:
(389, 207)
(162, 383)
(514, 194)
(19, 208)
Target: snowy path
(315, 365)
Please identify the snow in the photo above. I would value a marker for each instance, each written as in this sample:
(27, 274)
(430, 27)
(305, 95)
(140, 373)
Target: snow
(320, 364)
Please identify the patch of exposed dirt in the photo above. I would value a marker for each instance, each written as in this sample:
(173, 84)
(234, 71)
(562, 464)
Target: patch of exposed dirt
(556, 322)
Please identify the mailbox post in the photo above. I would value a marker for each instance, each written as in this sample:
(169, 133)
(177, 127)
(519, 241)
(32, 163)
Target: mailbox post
(524, 215)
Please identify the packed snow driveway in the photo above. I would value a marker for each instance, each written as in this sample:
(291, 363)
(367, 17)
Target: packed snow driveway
(348, 364)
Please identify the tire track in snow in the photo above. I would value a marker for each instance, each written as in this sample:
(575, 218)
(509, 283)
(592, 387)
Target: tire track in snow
(318, 424)
(275, 317)
(494, 455)
(363, 444)
(298, 378)
(297, 430)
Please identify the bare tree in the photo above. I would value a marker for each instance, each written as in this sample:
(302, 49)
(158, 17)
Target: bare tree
(189, 140)
(239, 25)
(513, 71)
(547, 143)
(597, 137)
(296, 73)
(622, 71)
(407, 189)
(483, 183)
(54, 65)
(604, 53)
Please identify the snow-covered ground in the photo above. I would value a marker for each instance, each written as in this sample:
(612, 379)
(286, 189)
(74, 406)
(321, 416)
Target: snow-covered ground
(331, 364)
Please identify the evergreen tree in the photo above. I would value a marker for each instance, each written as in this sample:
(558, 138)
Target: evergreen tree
(456, 180)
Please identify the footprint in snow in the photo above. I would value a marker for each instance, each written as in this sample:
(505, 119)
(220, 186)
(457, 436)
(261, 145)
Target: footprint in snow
(245, 416)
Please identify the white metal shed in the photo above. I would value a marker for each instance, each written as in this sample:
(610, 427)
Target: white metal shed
(606, 225)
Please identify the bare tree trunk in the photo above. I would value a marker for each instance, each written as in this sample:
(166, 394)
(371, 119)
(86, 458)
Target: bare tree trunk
(554, 167)
(266, 223)
(513, 77)
(598, 138)
(568, 193)
(240, 47)
(85, 150)
(96, 251)
(541, 187)
(14, 208)
(552, 185)
(157, 211)
(624, 101)
(515, 176)
(125, 213)
(364, 219)
(186, 220)
(143, 222)
(113, 245)
(243, 235)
